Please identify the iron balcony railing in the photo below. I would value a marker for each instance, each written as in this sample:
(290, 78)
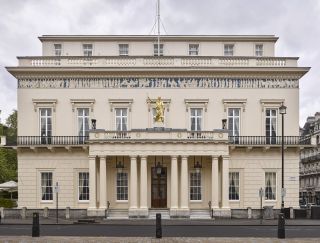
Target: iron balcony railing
(51, 140)
(236, 140)
(264, 140)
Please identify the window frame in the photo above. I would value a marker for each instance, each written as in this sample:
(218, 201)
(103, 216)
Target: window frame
(83, 117)
(155, 49)
(194, 52)
(87, 49)
(272, 139)
(228, 52)
(195, 186)
(127, 186)
(239, 186)
(121, 117)
(256, 51)
(233, 118)
(56, 49)
(275, 186)
(121, 53)
(41, 187)
(46, 119)
(196, 116)
(88, 177)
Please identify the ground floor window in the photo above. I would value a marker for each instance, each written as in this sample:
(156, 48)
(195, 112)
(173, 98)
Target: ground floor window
(234, 182)
(46, 186)
(195, 186)
(122, 186)
(270, 185)
(83, 186)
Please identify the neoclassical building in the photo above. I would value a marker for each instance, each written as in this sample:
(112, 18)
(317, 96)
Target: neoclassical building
(310, 163)
(86, 121)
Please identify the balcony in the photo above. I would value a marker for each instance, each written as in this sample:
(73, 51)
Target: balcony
(269, 141)
(153, 135)
(150, 61)
(53, 140)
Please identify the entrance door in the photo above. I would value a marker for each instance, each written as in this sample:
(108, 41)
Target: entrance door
(158, 188)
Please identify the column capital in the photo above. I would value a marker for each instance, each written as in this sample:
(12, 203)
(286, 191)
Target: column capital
(215, 156)
(133, 156)
(102, 157)
(174, 156)
(92, 156)
(184, 156)
(226, 157)
(142, 156)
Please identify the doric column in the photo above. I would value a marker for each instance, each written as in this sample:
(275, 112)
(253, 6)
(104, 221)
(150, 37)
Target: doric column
(103, 183)
(133, 182)
(143, 183)
(225, 182)
(184, 183)
(92, 183)
(174, 182)
(215, 183)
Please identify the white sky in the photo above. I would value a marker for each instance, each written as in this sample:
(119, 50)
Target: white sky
(296, 22)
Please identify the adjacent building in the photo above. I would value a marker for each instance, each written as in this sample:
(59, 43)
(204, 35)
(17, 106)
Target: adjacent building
(87, 124)
(310, 163)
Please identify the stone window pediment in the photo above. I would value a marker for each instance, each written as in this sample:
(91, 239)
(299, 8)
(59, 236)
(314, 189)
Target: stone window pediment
(82, 103)
(196, 103)
(120, 103)
(234, 103)
(271, 103)
(44, 103)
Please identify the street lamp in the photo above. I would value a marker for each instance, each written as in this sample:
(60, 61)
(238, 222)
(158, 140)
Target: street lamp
(197, 165)
(282, 111)
(119, 164)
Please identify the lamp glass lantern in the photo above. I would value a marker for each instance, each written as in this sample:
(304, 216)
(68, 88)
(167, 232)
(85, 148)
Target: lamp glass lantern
(283, 109)
(158, 166)
(197, 165)
(120, 165)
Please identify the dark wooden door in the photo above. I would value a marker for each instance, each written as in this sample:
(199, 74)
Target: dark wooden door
(158, 188)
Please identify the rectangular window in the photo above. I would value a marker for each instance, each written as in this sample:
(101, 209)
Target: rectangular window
(196, 119)
(155, 50)
(271, 126)
(270, 185)
(195, 186)
(121, 119)
(83, 186)
(87, 50)
(193, 49)
(234, 182)
(259, 50)
(57, 49)
(83, 123)
(46, 186)
(123, 49)
(122, 186)
(228, 49)
(234, 123)
(45, 125)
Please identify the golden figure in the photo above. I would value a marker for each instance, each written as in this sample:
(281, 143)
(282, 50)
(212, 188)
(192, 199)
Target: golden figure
(159, 116)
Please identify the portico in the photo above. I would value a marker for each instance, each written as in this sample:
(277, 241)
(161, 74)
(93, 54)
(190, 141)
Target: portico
(159, 172)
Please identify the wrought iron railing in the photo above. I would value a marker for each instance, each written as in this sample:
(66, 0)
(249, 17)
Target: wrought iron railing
(264, 140)
(52, 140)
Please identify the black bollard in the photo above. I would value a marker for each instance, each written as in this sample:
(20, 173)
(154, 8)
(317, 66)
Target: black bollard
(35, 225)
(158, 226)
(0, 217)
(281, 227)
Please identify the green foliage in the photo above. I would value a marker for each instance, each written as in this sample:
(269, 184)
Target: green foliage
(8, 156)
(7, 203)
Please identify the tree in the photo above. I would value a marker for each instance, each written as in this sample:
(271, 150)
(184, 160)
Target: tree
(8, 156)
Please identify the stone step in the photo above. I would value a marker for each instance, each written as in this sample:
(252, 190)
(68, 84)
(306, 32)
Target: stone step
(164, 213)
(200, 214)
(118, 214)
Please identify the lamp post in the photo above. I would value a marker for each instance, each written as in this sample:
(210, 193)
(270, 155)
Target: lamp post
(282, 111)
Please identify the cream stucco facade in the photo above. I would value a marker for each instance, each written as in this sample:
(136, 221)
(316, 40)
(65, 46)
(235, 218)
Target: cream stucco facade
(221, 112)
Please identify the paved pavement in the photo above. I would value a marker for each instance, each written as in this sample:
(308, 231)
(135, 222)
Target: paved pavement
(149, 240)
(169, 222)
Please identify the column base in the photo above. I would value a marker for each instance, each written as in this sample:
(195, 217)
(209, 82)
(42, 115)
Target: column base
(221, 212)
(138, 213)
(179, 213)
(96, 212)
